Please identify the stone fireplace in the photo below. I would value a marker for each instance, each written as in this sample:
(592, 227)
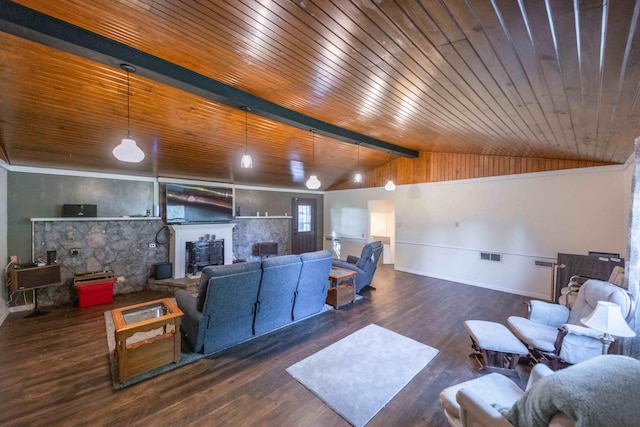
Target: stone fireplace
(188, 236)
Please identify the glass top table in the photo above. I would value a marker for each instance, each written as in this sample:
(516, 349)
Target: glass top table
(148, 311)
(158, 324)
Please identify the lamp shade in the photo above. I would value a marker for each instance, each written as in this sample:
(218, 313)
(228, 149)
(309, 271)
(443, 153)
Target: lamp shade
(357, 177)
(390, 186)
(128, 151)
(607, 318)
(246, 162)
(313, 183)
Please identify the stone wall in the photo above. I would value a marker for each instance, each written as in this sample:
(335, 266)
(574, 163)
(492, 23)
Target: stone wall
(248, 232)
(118, 245)
(123, 246)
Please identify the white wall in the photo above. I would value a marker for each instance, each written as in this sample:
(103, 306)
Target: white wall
(346, 219)
(4, 256)
(441, 228)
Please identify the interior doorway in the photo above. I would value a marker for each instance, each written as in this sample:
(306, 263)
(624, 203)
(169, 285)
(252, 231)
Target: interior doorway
(304, 224)
(382, 226)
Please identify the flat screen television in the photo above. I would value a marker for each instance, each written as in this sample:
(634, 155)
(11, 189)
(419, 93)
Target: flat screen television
(189, 204)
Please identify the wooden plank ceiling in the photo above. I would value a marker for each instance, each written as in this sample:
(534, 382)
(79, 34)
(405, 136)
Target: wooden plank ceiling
(557, 81)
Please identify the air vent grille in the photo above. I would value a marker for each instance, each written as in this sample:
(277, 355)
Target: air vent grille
(487, 256)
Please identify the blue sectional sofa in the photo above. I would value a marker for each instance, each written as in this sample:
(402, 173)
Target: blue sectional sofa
(240, 301)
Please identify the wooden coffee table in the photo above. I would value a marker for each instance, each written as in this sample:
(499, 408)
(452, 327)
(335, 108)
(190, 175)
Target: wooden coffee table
(342, 287)
(159, 342)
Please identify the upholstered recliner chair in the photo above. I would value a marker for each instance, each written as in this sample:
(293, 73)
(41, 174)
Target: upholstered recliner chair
(599, 392)
(569, 293)
(556, 332)
(364, 266)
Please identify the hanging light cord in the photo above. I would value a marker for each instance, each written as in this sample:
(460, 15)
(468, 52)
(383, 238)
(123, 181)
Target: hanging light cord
(128, 105)
(313, 147)
(246, 129)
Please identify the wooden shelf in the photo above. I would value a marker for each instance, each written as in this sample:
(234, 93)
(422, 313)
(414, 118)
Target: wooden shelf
(109, 218)
(265, 217)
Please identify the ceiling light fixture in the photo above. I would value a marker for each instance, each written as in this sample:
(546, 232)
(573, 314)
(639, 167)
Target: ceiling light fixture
(357, 178)
(313, 183)
(127, 150)
(247, 161)
(390, 186)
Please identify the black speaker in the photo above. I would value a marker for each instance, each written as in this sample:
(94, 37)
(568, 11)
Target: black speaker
(162, 270)
(86, 211)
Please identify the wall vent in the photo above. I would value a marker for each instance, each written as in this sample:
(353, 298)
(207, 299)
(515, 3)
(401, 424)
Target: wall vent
(489, 256)
(543, 264)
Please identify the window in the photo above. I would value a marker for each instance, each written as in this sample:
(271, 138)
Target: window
(304, 218)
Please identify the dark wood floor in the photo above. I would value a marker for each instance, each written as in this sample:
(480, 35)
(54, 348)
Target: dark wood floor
(54, 368)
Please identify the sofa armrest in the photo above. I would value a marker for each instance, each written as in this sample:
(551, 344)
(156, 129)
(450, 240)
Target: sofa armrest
(474, 410)
(346, 265)
(351, 259)
(187, 303)
(581, 330)
(539, 371)
(547, 313)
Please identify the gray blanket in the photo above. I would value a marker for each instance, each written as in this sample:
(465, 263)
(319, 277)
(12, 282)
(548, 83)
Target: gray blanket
(603, 391)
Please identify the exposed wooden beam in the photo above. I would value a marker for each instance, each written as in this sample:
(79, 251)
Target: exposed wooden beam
(32, 25)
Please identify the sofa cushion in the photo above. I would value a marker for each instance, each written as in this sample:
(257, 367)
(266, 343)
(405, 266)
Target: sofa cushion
(218, 271)
(311, 292)
(277, 292)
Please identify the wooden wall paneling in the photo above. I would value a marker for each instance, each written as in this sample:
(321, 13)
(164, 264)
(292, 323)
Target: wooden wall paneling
(454, 166)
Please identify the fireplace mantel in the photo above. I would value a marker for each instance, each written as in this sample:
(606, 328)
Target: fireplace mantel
(181, 234)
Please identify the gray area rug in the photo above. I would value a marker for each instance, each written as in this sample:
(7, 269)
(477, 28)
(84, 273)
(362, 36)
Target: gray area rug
(186, 356)
(358, 375)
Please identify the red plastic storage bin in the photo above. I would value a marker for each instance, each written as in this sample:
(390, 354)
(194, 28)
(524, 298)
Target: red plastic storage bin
(95, 292)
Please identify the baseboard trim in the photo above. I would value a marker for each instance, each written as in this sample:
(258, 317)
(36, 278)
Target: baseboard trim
(477, 284)
(19, 308)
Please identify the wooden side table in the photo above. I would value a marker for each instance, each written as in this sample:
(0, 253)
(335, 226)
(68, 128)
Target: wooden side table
(342, 287)
(159, 343)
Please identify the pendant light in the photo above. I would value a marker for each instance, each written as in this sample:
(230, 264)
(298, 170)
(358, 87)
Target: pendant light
(390, 186)
(247, 161)
(313, 183)
(357, 178)
(128, 151)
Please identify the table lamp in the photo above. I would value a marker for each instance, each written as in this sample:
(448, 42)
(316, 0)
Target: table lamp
(607, 318)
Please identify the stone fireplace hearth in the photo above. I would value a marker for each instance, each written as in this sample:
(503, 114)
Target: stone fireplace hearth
(182, 234)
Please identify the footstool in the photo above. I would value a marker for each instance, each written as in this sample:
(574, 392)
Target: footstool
(497, 349)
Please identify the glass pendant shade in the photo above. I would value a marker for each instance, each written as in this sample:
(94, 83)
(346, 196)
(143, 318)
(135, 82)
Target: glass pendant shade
(390, 186)
(128, 151)
(357, 177)
(246, 162)
(313, 183)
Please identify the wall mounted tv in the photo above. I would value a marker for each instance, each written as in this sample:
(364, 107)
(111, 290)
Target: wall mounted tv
(190, 203)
